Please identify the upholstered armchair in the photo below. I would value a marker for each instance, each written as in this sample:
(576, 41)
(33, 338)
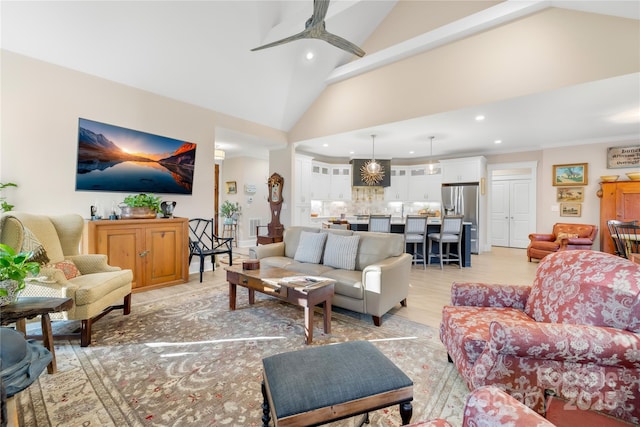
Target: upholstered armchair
(564, 237)
(490, 406)
(574, 332)
(94, 286)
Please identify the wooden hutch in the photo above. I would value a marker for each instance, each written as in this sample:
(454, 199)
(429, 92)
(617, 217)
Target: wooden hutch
(620, 200)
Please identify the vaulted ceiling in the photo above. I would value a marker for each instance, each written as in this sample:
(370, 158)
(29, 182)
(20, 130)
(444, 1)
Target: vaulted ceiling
(199, 52)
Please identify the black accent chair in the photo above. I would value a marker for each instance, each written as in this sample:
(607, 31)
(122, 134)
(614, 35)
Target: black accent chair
(203, 242)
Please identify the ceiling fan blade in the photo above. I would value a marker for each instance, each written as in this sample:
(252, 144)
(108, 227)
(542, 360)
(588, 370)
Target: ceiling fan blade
(341, 43)
(301, 35)
(320, 8)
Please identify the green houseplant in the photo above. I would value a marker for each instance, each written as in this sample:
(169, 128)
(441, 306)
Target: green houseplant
(14, 269)
(229, 211)
(4, 206)
(140, 206)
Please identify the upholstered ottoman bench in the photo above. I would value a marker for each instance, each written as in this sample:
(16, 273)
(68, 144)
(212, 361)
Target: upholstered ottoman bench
(321, 384)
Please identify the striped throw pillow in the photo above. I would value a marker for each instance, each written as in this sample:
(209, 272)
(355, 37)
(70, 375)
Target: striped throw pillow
(310, 247)
(341, 251)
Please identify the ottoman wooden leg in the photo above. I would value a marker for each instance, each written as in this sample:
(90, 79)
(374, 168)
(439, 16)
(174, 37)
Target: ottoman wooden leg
(266, 413)
(406, 412)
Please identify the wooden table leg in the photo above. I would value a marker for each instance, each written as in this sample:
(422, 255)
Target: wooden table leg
(232, 296)
(21, 326)
(252, 296)
(47, 340)
(327, 316)
(308, 324)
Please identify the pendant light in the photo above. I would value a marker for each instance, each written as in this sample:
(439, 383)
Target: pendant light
(372, 172)
(373, 166)
(432, 166)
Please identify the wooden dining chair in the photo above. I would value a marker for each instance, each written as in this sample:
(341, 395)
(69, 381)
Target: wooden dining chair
(617, 244)
(628, 236)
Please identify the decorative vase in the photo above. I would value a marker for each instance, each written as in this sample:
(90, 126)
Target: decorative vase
(11, 288)
(228, 221)
(127, 212)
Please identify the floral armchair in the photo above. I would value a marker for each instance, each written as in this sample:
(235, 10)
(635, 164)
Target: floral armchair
(574, 332)
(563, 237)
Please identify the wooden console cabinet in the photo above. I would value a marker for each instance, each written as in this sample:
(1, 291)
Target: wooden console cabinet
(157, 250)
(621, 201)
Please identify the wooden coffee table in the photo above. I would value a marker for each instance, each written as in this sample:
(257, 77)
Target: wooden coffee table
(265, 280)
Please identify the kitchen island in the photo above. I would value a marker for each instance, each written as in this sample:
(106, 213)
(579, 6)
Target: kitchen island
(433, 226)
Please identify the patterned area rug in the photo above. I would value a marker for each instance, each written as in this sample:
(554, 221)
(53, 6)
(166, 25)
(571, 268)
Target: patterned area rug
(188, 360)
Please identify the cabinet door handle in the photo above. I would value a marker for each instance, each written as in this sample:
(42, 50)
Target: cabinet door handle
(143, 253)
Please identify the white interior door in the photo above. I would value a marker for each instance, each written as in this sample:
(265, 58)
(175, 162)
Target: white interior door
(511, 206)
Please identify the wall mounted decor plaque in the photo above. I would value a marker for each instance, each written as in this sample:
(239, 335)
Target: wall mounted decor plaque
(623, 157)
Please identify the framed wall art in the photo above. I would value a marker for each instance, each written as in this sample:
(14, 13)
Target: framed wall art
(571, 209)
(113, 158)
(623, 157)
(232, 187)
(573, 174)
(570, 194)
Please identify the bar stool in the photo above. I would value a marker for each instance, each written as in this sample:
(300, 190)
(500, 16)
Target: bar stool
(450, 232)
(415, 230)
(380, 223)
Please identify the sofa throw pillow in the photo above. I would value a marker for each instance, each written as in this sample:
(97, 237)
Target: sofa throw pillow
(68, 268)
(561, 236)
(30, 243)
(341, 251)
(310, 247)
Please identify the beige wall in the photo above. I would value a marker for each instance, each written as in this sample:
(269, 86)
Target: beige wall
(41, 104)
(548, 50)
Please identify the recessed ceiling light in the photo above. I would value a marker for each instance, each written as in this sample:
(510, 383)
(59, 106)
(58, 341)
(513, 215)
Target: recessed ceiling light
(497, 141)
(309, 56)
(479, 118)
(352, 152)
(411, 152)
(325, 145)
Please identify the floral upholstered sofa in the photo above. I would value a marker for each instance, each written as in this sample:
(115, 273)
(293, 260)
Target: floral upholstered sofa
(574, 332)
(371, 269)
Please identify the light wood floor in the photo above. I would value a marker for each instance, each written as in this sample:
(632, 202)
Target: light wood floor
(430, 288)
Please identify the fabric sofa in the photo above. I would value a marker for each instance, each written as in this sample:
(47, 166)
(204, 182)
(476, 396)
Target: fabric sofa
(575, 331)
(371, 269)
(563, 237)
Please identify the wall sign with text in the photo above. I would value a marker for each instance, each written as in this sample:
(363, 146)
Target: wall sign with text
(623, 157)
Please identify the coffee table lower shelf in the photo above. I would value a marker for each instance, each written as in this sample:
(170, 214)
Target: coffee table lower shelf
(254, 280)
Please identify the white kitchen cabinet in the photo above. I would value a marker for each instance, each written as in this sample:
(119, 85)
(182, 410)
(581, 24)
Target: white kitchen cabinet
(340, 182)
(320, 181)
(422, 186)
(302, 179)
(468, 169)
(398, 191)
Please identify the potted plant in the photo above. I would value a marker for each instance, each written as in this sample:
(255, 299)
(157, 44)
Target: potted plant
(4, 206)
(230, 211)
(140, 206)
(14, 269)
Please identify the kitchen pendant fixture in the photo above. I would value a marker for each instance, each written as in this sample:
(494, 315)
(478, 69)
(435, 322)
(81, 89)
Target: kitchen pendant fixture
(372, 172)
(433, 167)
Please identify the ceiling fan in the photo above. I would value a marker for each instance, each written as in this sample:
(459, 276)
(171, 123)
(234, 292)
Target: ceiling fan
(315, 29)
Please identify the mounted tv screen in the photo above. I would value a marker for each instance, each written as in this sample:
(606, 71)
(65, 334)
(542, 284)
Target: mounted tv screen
(112, 158)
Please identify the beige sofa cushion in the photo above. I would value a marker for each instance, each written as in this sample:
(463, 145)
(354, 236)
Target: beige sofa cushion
(375, 247)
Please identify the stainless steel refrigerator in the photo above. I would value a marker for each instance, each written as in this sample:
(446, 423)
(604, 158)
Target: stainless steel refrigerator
(464, 199)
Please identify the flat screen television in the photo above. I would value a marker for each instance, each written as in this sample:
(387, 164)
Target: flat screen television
(113, 158)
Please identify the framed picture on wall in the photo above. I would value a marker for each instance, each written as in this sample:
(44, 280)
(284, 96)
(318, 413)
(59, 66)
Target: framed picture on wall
(571, 209)
(570, 194)
(232, 187)
(574, 174)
